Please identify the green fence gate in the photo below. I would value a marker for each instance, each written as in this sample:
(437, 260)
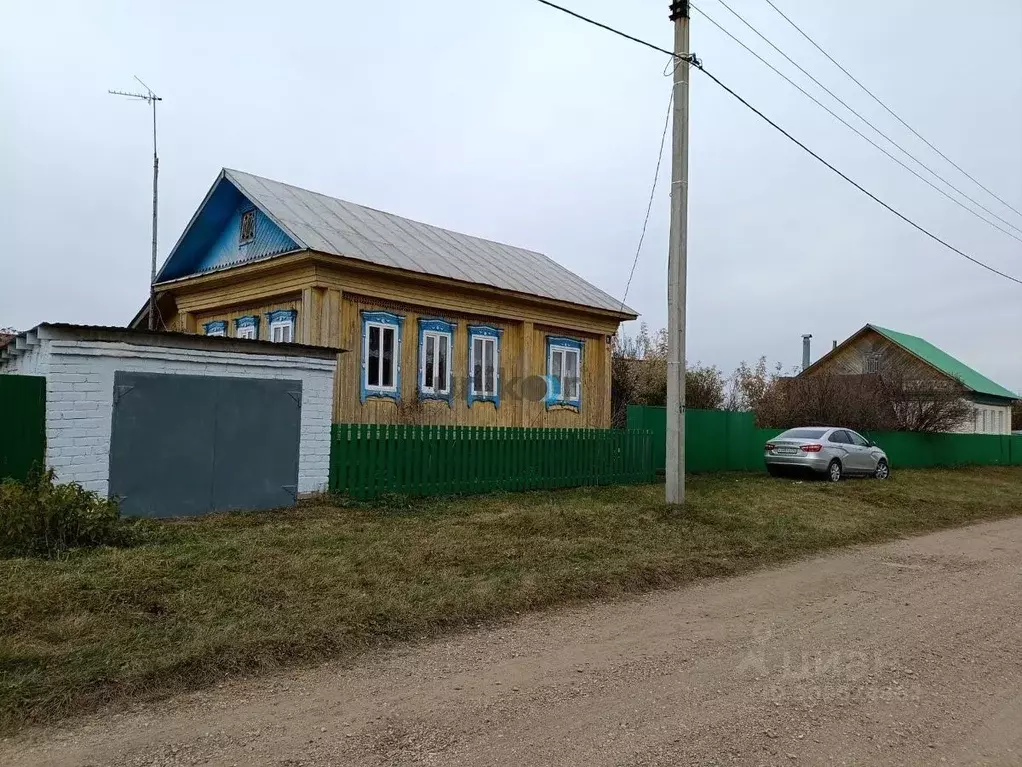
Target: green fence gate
(367, 460)
(22, 424)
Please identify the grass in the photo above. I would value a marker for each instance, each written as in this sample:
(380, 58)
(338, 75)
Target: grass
(235, 594)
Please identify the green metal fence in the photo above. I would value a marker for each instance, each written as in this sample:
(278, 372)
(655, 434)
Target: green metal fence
(22, 424)
(367, 460)
(717, 440)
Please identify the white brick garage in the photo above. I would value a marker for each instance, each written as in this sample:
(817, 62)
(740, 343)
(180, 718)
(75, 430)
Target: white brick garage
(80, 365)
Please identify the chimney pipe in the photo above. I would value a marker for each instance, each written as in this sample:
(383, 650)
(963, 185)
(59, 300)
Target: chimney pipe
(805, 350)
(834, 346)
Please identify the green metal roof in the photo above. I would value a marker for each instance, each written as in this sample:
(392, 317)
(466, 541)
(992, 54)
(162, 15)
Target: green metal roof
(945, 363)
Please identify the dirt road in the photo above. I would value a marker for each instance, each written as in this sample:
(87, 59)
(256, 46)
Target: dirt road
(906, 653)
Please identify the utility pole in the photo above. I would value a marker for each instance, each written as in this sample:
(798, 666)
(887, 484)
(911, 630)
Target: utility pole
(677, 261)
(151, 98)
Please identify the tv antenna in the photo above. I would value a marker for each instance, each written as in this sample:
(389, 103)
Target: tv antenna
(150, 98)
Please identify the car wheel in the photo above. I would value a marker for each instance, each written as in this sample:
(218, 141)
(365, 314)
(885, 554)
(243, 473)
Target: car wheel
(834, 471)
(883, 471)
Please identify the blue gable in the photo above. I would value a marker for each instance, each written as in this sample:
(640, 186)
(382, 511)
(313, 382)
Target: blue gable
(213, 237)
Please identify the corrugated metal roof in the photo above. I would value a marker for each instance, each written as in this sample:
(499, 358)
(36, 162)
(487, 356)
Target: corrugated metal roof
(945, 363)
(329, 225)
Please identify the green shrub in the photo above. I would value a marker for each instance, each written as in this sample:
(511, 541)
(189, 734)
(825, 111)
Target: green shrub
(41, 518)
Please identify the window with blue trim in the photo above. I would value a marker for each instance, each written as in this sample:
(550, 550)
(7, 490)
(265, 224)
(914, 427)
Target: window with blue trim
(247, 327)
(564, 372)
(484, 364)
(282, 325)
(216, 328)
(381, 355)
(436, 342)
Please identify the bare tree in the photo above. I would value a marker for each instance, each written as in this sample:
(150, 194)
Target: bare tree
(639, 376)
(1016, 416)
(901, 396)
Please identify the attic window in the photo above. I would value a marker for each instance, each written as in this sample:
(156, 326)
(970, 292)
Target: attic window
(247, 227)
(873, 363)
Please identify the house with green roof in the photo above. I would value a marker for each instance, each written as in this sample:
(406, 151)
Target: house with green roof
(873, 347)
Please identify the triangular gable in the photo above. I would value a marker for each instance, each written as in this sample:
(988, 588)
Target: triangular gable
(923, 350)
(212, 239)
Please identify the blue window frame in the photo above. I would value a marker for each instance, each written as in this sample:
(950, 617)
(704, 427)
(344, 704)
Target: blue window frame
(381, 355)
(247, 327)
(281, 324)
(436, 349)
(216, 328)
(484, 364)
(564, 372)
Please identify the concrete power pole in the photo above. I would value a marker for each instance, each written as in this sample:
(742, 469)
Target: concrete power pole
(677, 261)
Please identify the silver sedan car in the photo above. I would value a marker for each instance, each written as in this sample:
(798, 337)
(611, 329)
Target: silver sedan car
(833, 452)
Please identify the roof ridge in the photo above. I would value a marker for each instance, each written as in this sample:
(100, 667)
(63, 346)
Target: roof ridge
(991, 386)
(392, 215)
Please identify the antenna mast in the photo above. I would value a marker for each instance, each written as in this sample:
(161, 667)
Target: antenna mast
(150, 98)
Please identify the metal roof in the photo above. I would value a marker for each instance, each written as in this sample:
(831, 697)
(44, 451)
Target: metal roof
(326, 224)
(169, 338)
(945, 363)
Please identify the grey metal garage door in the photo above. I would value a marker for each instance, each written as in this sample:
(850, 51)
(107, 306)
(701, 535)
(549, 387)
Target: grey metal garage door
(185, 445)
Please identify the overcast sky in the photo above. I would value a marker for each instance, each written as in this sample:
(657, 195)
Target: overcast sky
(507, 120)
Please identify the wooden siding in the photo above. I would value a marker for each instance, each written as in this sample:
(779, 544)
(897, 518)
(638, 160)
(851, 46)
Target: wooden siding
(259, 310)
(519, 360)
(329, 297)
(851, 358)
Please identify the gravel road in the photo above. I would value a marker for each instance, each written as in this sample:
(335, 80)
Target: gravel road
(904, 653)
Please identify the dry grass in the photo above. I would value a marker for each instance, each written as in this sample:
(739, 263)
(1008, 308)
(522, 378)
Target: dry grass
(234, 594)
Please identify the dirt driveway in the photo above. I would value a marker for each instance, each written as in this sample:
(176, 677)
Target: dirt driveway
(905, 653)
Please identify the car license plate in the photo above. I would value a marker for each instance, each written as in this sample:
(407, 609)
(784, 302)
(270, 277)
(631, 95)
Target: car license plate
(786, 451)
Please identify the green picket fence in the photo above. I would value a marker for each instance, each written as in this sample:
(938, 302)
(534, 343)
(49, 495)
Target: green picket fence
(367, 460)
(717, 440)
(22, 424)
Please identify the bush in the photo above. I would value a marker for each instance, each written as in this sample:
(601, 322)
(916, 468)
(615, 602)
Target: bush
(41, 518)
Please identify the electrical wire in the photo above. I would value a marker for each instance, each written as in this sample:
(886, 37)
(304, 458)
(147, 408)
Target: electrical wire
(858, 132)
(879, 132)
(652, 191)
(618, 32)
(891, 112)
(794, 140)
(858, 186)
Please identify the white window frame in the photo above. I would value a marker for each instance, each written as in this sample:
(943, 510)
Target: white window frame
(246, 331)
(564, 351)
(282, 325)
(492, 341)
(220, 333)
(383, 327)
(436, 335)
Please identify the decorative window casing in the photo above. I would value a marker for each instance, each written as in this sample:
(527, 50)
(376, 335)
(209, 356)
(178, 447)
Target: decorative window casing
(381, 355)
(436, 350)
(281, 325)
(247, 231)
(484, 364)
(247, 327)
(216, 328)
(872, 363)
(564, 372)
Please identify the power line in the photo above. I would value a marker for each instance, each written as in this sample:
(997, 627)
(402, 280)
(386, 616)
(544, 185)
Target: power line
(791, 138)
(649, 206)
(596, 23)
(893, 114)
(858, 186)
(859, 133)
(834, 96)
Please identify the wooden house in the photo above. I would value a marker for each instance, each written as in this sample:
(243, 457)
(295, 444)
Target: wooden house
(874, 350)
(442, 327)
